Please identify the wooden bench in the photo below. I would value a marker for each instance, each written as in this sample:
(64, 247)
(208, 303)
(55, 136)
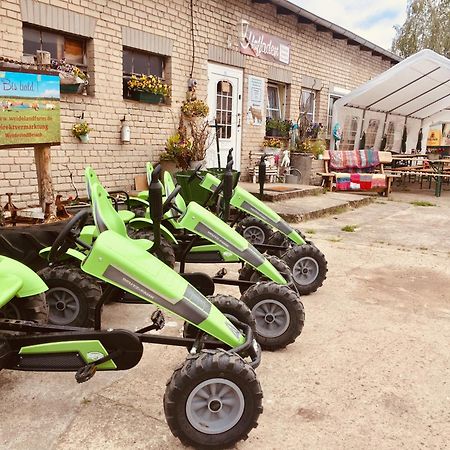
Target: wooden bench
(253, 170)
(329, 177)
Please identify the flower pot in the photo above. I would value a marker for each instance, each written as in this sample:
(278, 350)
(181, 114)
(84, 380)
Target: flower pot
(303, 162)
(70, 88)
(84, 138)
(147, 97)
(168, 165)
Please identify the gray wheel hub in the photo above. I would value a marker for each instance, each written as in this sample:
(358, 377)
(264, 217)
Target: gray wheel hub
(272, 318)
(64, 305)
(254, 234)
(215, 406)
(305, 270)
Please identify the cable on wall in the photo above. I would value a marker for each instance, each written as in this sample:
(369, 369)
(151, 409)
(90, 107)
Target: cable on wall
(192, 38)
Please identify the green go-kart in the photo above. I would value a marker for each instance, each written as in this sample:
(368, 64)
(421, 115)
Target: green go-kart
(73, 295)
(212, 400)
(263, 227)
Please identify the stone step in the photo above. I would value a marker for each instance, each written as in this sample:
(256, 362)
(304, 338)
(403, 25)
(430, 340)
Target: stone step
(307, 208)
(275, 192)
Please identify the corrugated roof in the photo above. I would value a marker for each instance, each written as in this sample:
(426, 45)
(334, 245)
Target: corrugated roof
(304, 16)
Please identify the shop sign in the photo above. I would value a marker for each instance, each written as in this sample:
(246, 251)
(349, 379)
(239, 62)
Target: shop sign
(262, 45)
(255, 104)
(434, 136)
(29, 109)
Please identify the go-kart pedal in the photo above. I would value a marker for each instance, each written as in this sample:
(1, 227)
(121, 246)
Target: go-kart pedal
(86, 372)
(221, 273)
(158, 322)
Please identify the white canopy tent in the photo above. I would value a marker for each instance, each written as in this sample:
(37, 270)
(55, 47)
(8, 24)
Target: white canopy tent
(414, 93)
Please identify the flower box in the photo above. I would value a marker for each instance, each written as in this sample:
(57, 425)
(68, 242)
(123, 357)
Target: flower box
(70, 88)
(147, 97)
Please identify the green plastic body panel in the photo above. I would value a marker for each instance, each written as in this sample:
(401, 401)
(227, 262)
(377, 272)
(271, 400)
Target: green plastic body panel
(24, 282)
(90, 351)
(247, 202)
(227, 256)
(70, 253)
(126, 215)
(114, 260)
(88, 234)
(204, 223)
(139, 201)
(143, 195)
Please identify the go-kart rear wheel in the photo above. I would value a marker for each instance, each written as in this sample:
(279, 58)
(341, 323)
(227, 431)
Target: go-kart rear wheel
(249, 273)
(308, 266)
(33, 308)
(213, 400)
(254, 230)
(72, 296)
(227, 304)
(285, 243)
(278, 312)
(165, 253)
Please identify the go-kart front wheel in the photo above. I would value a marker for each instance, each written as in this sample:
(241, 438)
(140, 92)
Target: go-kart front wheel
(278, 312)
(254, 230)
(33, 308)
(213, 400)
(308, 266)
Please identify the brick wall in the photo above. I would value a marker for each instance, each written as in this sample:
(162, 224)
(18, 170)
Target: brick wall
(313, 53)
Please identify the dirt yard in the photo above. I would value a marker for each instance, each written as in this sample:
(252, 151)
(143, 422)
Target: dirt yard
(370, 370)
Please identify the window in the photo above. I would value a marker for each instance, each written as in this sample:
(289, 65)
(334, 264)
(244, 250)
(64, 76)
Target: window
(371, 133)
(332, 99)
(224, 109)
(349, 133)
(276, 101)
(137, 62)
(390, 135)
(307, 104)
(60, 46)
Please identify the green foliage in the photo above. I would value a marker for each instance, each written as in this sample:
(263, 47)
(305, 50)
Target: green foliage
(194, 108)
(179, 150)
(422, 203)
(349, 228)
(427, 25)
(282, 126)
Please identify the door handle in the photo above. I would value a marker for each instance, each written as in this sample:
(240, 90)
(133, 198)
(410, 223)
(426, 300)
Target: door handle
(239, 120)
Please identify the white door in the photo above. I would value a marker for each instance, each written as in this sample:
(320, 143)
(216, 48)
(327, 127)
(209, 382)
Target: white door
(225, 105)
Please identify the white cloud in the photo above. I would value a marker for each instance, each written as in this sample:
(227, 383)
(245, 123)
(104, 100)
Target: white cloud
(373, 21)
(50, 93)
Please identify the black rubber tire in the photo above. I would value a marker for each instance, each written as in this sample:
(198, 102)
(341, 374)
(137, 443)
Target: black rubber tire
(33, 308)
(198, 368)
(298, 252)
(280, 239)
(83, 288)
(290, 300)
(250, 221)
(227, 304)
(166, 253)
(249, 273)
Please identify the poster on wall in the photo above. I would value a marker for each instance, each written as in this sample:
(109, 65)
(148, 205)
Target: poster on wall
(29, 109)
(262, 45)
(434, 136)
(255, 105)
(446, 135)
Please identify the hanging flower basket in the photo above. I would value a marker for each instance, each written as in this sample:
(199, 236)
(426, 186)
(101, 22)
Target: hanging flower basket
(147, 97)
(70, 88)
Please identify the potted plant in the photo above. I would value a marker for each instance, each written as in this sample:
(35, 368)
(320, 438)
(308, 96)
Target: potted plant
(81, 131)
(72, 79)
(194, 108)
(272, 145)
(272, 127)
(148, 89)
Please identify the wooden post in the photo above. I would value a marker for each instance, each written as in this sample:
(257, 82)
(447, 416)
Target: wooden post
(42, 158)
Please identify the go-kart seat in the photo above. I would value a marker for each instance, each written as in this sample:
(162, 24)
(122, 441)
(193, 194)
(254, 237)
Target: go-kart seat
(91, 179)
(107, 218)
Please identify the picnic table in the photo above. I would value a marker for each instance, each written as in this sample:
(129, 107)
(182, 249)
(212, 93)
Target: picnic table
(433, 169)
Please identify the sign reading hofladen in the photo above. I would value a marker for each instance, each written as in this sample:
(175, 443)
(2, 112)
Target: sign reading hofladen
(434, 136)
(29, 109)
(262, 45)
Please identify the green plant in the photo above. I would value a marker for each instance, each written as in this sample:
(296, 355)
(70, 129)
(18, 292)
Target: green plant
(149, 83)
(80, 129)
(194, 108)
(178, 149)
(422, 203)
(282, 126)
(349, 228)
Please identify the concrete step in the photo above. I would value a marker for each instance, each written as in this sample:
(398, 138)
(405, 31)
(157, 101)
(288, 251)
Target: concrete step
(312, 207)
(275, 192)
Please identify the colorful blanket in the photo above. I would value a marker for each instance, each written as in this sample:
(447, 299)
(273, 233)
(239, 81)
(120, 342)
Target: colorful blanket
(359, 181)
(354, 159)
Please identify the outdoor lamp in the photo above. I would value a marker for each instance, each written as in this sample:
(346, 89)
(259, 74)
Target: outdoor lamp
(125, 132)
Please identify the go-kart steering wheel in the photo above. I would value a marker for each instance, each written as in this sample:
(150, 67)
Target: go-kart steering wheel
(195, 173)
(68, 235)
(170, 202)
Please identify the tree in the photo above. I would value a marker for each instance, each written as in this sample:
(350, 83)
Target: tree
(427, 25)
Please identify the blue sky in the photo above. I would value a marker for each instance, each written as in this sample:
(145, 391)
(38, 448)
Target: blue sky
(43, 85)
(371, 20)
